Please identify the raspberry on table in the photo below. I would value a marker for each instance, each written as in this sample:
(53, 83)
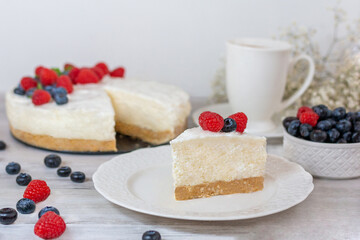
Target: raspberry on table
(48, 76)
(65, 82)
(40, 97)
(118, 72)
(309, 118)
(86, 75)
(241, 121)
(37, 190)
(50, 226)
(211, 121)
(302, 110)
(27, 83)
(103, 67)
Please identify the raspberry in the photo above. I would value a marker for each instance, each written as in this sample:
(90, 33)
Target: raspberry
(99, 72)
(85, 76)
(302, 110)
(65, 82)
(37, 190)
(118, 72)
(50, 226)
(103, 67)
(27, 83)
(38, 70)
(73, 74)
(48, 76)
(309, 118)
(68, 66)
(241, 121)
(40, 97)
(211, 121)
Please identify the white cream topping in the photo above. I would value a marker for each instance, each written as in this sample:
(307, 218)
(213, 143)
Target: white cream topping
(202, 156)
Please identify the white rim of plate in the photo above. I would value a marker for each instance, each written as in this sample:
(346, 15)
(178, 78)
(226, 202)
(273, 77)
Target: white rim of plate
(294, 185)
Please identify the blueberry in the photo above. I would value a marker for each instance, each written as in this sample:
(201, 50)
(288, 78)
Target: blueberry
(332, 121)
(52, 161)
(334, 135)
(19, 91)
(286, 122)
(77, 177)
(30, 92)
(357, 116)
(151, 235)
(341, 140)
(350, 116)
(305, 130)
(23, 179)
(48, 209)
(329, 114)
(2, 145)
(229, 125)
(8, 216)
(60, 91)
(344, 126)
(320, 110)
(13, 168)
(355, 138)
(324, 125)
(61, 99)
(25, 206)
(64, 171)
(357, 126)
(318, 136)
(347, 136)
(293, 128)
(339, 113)
(50, 89)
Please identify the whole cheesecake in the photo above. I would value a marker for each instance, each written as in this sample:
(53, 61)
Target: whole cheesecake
(207, 163)
(88, 122)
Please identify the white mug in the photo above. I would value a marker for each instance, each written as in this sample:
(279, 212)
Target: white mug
(256, 71)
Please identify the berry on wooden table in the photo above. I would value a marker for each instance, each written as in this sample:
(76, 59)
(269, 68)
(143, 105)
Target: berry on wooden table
(64, 171)
(37, 190)
(78, 177)
(211, 121)
(47, 209)
(23, 179)
(8, 216)
(151, 235)
(2, 145)
(50, 226)
(52, 161)
(13, 168)
(25, 206)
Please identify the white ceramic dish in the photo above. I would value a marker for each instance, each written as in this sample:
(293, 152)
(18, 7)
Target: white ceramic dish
(339, 161)
(224, 110)
(142, 181)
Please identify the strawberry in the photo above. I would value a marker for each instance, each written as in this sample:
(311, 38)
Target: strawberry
(118, 72)
(48, 76)
(50, 226)
(65, 82)
(85, 76)
(37, 190)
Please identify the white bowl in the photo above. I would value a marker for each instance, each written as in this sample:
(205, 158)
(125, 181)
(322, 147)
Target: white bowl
(330, 160)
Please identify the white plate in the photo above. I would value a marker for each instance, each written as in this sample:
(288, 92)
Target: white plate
(142, 181)
(224, 110)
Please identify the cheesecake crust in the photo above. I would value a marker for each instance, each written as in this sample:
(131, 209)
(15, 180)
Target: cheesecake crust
(63, 144)
(148, 135)
(245, 185)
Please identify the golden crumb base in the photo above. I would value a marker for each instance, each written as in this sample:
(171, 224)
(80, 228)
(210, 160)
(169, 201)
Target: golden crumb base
(245, 185)
(63, 144)
(148, 135)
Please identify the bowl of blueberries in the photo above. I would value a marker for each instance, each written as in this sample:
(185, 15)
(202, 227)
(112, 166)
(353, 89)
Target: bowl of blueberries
(325, 142)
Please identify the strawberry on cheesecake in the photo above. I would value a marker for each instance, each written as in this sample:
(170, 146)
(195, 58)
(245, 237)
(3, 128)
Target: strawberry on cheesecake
(218, 158)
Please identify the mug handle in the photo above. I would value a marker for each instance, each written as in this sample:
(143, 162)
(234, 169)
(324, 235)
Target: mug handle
(286, 103)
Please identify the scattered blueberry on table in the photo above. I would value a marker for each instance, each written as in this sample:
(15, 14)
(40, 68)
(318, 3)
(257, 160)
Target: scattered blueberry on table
(151, 235)
(52, 161)
(64, 171)
(23, 179)
(77, 177)
(321, 124)
(8, 216)
(13, 168)
(25, 206)
(47, 209)
(2, 145)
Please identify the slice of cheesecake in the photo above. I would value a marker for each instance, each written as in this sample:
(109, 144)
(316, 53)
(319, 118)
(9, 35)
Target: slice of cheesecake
(209, 163)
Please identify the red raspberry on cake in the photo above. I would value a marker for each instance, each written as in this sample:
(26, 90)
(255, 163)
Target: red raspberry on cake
(103, 67)
(68, 66)
(211, 121)
(37, 190)
(86, 75)
(302, 110)
(73, 74)
(99, 72)
(38, 70)
(309, 118)
(48, 76)
(241, 121)
(50, 226)
(65, 82)
(118, 72)
(27, 83)
(40, 97)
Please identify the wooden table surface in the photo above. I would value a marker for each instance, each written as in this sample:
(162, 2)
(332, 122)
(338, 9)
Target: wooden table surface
(332, 211)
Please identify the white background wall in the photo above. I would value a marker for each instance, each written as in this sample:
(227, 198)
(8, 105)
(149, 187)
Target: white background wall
(175, 41)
